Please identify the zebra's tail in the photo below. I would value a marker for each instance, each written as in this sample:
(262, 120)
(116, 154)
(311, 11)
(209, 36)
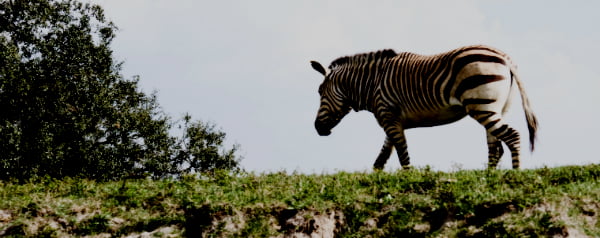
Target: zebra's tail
(532, 123)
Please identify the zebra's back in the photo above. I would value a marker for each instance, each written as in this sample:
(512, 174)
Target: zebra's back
(427, 90)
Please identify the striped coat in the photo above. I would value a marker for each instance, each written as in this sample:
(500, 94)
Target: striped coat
(407, 90)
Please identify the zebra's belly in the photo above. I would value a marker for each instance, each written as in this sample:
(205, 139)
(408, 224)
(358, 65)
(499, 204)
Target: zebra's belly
(433, 118)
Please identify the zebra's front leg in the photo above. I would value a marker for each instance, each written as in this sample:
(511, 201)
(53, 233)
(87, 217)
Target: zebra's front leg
(384, 154)
(395, 133)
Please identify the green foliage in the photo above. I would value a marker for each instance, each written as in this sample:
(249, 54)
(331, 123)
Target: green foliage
(67, 110)
(198, 149)
(417, 203)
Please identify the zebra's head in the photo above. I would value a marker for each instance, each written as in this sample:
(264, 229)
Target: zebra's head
(333, 106)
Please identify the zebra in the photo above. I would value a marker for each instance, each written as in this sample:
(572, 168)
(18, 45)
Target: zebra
(408, 90)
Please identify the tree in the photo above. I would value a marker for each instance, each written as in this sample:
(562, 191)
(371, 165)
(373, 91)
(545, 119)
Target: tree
(66, 109)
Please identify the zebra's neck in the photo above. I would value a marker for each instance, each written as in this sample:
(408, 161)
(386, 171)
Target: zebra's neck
(358, 77)
(360, 84)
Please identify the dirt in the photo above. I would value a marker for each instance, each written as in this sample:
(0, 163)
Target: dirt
(291, 223)
(310, 224)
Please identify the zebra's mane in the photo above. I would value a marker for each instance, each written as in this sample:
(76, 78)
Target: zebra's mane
(363, 58)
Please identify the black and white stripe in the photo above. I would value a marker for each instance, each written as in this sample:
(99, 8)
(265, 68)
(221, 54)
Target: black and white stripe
(407, 90)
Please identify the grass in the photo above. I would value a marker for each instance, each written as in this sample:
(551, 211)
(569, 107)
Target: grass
(414, 203)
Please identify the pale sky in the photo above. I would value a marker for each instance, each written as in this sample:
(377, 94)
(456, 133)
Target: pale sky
(244, 65)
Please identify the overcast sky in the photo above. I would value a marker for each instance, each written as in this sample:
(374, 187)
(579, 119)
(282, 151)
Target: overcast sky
(244, 65)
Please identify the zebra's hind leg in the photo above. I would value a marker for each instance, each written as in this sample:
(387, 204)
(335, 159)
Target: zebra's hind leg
(512, 139)
(496, 127)
(384, 154)
(495, 151)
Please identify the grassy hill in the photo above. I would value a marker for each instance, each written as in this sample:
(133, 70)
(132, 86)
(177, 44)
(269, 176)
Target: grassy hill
(563, 201)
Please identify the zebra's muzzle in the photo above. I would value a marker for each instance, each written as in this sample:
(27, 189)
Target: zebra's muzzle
(323, 132)
(324, 128)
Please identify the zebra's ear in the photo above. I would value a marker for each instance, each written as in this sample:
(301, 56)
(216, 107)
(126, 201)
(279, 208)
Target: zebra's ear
(318, 67)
